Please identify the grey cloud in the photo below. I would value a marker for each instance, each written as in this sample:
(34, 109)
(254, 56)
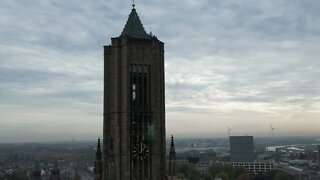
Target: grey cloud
(218, 53)
(26, 76)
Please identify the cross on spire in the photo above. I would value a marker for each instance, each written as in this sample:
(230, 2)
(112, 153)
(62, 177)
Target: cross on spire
(133, 5)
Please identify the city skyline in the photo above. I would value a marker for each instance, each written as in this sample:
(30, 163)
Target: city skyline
(238, 64)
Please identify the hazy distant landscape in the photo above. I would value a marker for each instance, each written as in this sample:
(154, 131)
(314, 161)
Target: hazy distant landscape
(77, 157)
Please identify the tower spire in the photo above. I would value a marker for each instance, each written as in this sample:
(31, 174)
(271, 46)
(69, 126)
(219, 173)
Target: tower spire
(172, 149)
(98, 163)
(134, 27)
(98, 153)
(172, 159)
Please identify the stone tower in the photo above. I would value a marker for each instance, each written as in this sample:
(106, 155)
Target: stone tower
(134, 105)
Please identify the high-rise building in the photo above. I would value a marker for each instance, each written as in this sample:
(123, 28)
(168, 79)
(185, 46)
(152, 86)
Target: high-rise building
(241, 148)
(134, 105)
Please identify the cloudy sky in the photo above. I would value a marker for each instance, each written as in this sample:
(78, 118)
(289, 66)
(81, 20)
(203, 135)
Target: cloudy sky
(244, 64)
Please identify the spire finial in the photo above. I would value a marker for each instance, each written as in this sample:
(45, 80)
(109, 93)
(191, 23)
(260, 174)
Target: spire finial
(133, 5)
(98, 153)
(172, 149)
(98, 144)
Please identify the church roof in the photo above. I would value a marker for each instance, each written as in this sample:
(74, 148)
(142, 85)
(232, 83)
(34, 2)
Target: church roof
(134, 27)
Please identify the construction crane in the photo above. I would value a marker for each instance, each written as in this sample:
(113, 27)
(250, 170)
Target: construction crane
(228, 131)
(271, 129)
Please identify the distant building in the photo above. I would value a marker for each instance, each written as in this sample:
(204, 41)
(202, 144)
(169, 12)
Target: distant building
(319, 155)
(297, 173)
(255, 167)
(203, 167)
(241, 149)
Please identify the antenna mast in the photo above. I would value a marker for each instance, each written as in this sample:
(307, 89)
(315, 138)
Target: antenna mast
(133, 5)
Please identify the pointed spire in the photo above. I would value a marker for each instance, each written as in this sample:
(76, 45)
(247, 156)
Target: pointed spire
(134, 28)
(172, 160)
(99, 143)
(98, 163)
(98, 153)
(172, 150)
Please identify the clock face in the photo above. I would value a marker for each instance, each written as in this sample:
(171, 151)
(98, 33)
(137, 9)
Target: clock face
(140, 151)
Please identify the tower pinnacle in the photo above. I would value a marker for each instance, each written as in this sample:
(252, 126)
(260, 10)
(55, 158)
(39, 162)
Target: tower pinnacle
(172, 160)
(133, 5)
(98, 163)
(172, 150)
(134, 27)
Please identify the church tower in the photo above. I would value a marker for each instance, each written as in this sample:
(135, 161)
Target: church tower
(134, 105)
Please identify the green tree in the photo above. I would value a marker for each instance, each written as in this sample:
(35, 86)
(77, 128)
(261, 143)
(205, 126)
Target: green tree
(16, 176)
(215, 168)
(237, 171)
(228, 168)
(274, 175)
(194, 177)
(222, 175)
(282, 176)
(182, 168)
(189, 170)
(181, 176)
(260, 176)
(207, 176)
(193, 160)
(245, 176)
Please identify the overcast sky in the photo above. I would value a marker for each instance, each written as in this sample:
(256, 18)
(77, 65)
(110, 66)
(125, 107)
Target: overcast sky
(244, 64)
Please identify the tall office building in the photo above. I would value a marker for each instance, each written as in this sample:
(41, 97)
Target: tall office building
(134, 105)
(241, 148)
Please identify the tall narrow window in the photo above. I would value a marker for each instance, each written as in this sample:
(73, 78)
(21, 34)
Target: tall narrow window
(133, 92)
(140, 119)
